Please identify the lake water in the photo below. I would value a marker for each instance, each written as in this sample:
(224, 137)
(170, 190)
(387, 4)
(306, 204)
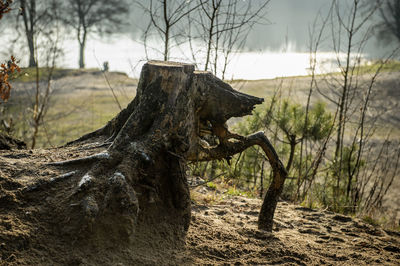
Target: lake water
(126, 55)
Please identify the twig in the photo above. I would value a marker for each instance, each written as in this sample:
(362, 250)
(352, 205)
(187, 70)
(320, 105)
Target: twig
(209, 180)
(108, 83)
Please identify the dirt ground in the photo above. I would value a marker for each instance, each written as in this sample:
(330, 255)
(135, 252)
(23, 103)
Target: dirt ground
(224, 232)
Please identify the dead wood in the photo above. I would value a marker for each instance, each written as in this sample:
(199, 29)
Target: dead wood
(140, 179)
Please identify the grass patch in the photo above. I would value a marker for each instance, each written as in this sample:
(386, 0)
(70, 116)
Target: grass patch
(391, 66)
(234, 191)
(71, 114)
(211, 198)
(369, 220)
(29, 74)
(211, 185)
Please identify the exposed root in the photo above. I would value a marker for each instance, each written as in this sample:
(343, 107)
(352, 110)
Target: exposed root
(121, 195)
(42, 183)
(85, 182)
(95, 145)
(63, 176)
(226, 149)
(89, 159)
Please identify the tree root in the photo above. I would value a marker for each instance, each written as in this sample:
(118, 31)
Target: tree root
(44, 183)
(95, 145)
(89, 159)
(228, 148)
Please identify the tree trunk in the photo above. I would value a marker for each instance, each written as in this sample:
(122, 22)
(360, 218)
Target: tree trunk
(29, 16)
(31, 45)
(82, 45)
(81, 55)
(292, 141)
(138, 186)
(166, 44)
(262, 180)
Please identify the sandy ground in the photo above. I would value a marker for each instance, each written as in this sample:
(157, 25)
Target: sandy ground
(223, 232)
(227, 233)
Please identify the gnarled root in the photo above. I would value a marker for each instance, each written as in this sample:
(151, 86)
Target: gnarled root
(105, 204)
(119, 193)
(229, 148)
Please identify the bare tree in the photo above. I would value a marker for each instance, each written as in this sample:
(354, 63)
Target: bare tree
(164, 18)
(224, 26)
(35, 19)
(32, 20)
(49, 40)
(93, 16)
(309, 172)
(218, 26)
(350, 32)
(353, 26)
(374, 183)
(42, 95)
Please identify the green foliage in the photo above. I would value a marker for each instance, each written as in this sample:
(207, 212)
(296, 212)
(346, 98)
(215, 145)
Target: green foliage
(234, 191)
(342, 185)
(320, 122)
(314, 180)
(348, 164)
(391, 66)
(290, 118)
(370, 220)
(311, 202)
(211, 185)
(287, 124)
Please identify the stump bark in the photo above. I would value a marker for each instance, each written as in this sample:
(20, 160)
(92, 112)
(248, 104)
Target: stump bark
(140, 179)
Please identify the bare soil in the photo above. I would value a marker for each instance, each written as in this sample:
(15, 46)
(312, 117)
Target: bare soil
(224, 232)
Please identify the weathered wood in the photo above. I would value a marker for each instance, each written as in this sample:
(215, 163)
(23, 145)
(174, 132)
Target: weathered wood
(142, 180)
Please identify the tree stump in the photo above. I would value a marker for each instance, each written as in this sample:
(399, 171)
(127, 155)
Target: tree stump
(139, 181)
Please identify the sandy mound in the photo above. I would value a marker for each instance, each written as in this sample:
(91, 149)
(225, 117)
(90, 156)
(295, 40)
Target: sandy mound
(31, 232)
